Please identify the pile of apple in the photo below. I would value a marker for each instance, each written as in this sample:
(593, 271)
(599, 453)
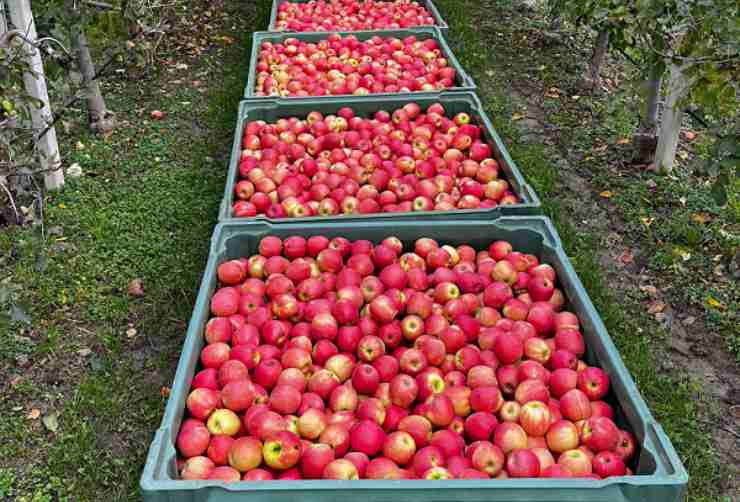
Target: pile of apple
(343, 360)
(402, 161)
(351, 15)
(346, 65)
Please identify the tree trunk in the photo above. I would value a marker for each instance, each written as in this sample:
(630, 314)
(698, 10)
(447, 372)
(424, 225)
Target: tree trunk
(35, 83)
(101, 119)
(646, 139)
(670, 127)
(592, 80)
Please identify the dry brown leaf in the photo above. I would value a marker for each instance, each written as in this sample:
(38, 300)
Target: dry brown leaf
(606, 194)
(627, 257)
(701, 218)
(650, 290)
(655, 307)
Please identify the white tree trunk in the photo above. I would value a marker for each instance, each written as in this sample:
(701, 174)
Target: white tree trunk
(3, 21)
(670, 126)
(22, 18)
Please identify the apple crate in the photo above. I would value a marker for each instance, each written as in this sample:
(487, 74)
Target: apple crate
(270, 110)
(463, 82)
(660, 475)
(439, 22)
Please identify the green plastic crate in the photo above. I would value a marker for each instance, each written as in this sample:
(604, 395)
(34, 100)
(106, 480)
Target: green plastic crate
(454, 102)
(463, 82)
(439, 22)
(662, 477)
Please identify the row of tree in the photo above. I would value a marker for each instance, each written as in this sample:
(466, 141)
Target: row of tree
(45, 55)
(689, 54)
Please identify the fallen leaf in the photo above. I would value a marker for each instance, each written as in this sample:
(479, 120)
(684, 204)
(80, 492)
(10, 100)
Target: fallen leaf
(606, 194)
(624, 141)
(575, 97)
(517, 116)
(164, 392)
(51, 422)
(74, 171)
(34, 413)
(650, 290)
(655, 307)
(701, 218)
(712, 302)
(181, 66)
(136, 288)
(84, 352)
(627, 257)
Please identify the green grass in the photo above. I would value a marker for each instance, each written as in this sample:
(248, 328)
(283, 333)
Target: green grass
(145, 208)
(496, 64)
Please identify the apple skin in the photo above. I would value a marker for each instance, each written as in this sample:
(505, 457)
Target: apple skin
(314, 460)
(400, 447)
(577, 462)
(198, 467)
(282, 450)
(419, 427)
(218, 449)
(367, 437)
(426, 458)
(340, 469)
(562, 436)
(225, 473)
(245, 454)
(600, 434)
(522, 463)
(488, 458)
(338, 437)
(608, 463)
(202, 402)
(224, 421)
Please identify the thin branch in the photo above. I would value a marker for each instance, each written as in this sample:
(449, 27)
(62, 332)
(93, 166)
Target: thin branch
(12, 204)
(99, 5)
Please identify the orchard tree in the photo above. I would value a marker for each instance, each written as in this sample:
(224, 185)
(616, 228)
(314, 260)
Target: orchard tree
(688, 50)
